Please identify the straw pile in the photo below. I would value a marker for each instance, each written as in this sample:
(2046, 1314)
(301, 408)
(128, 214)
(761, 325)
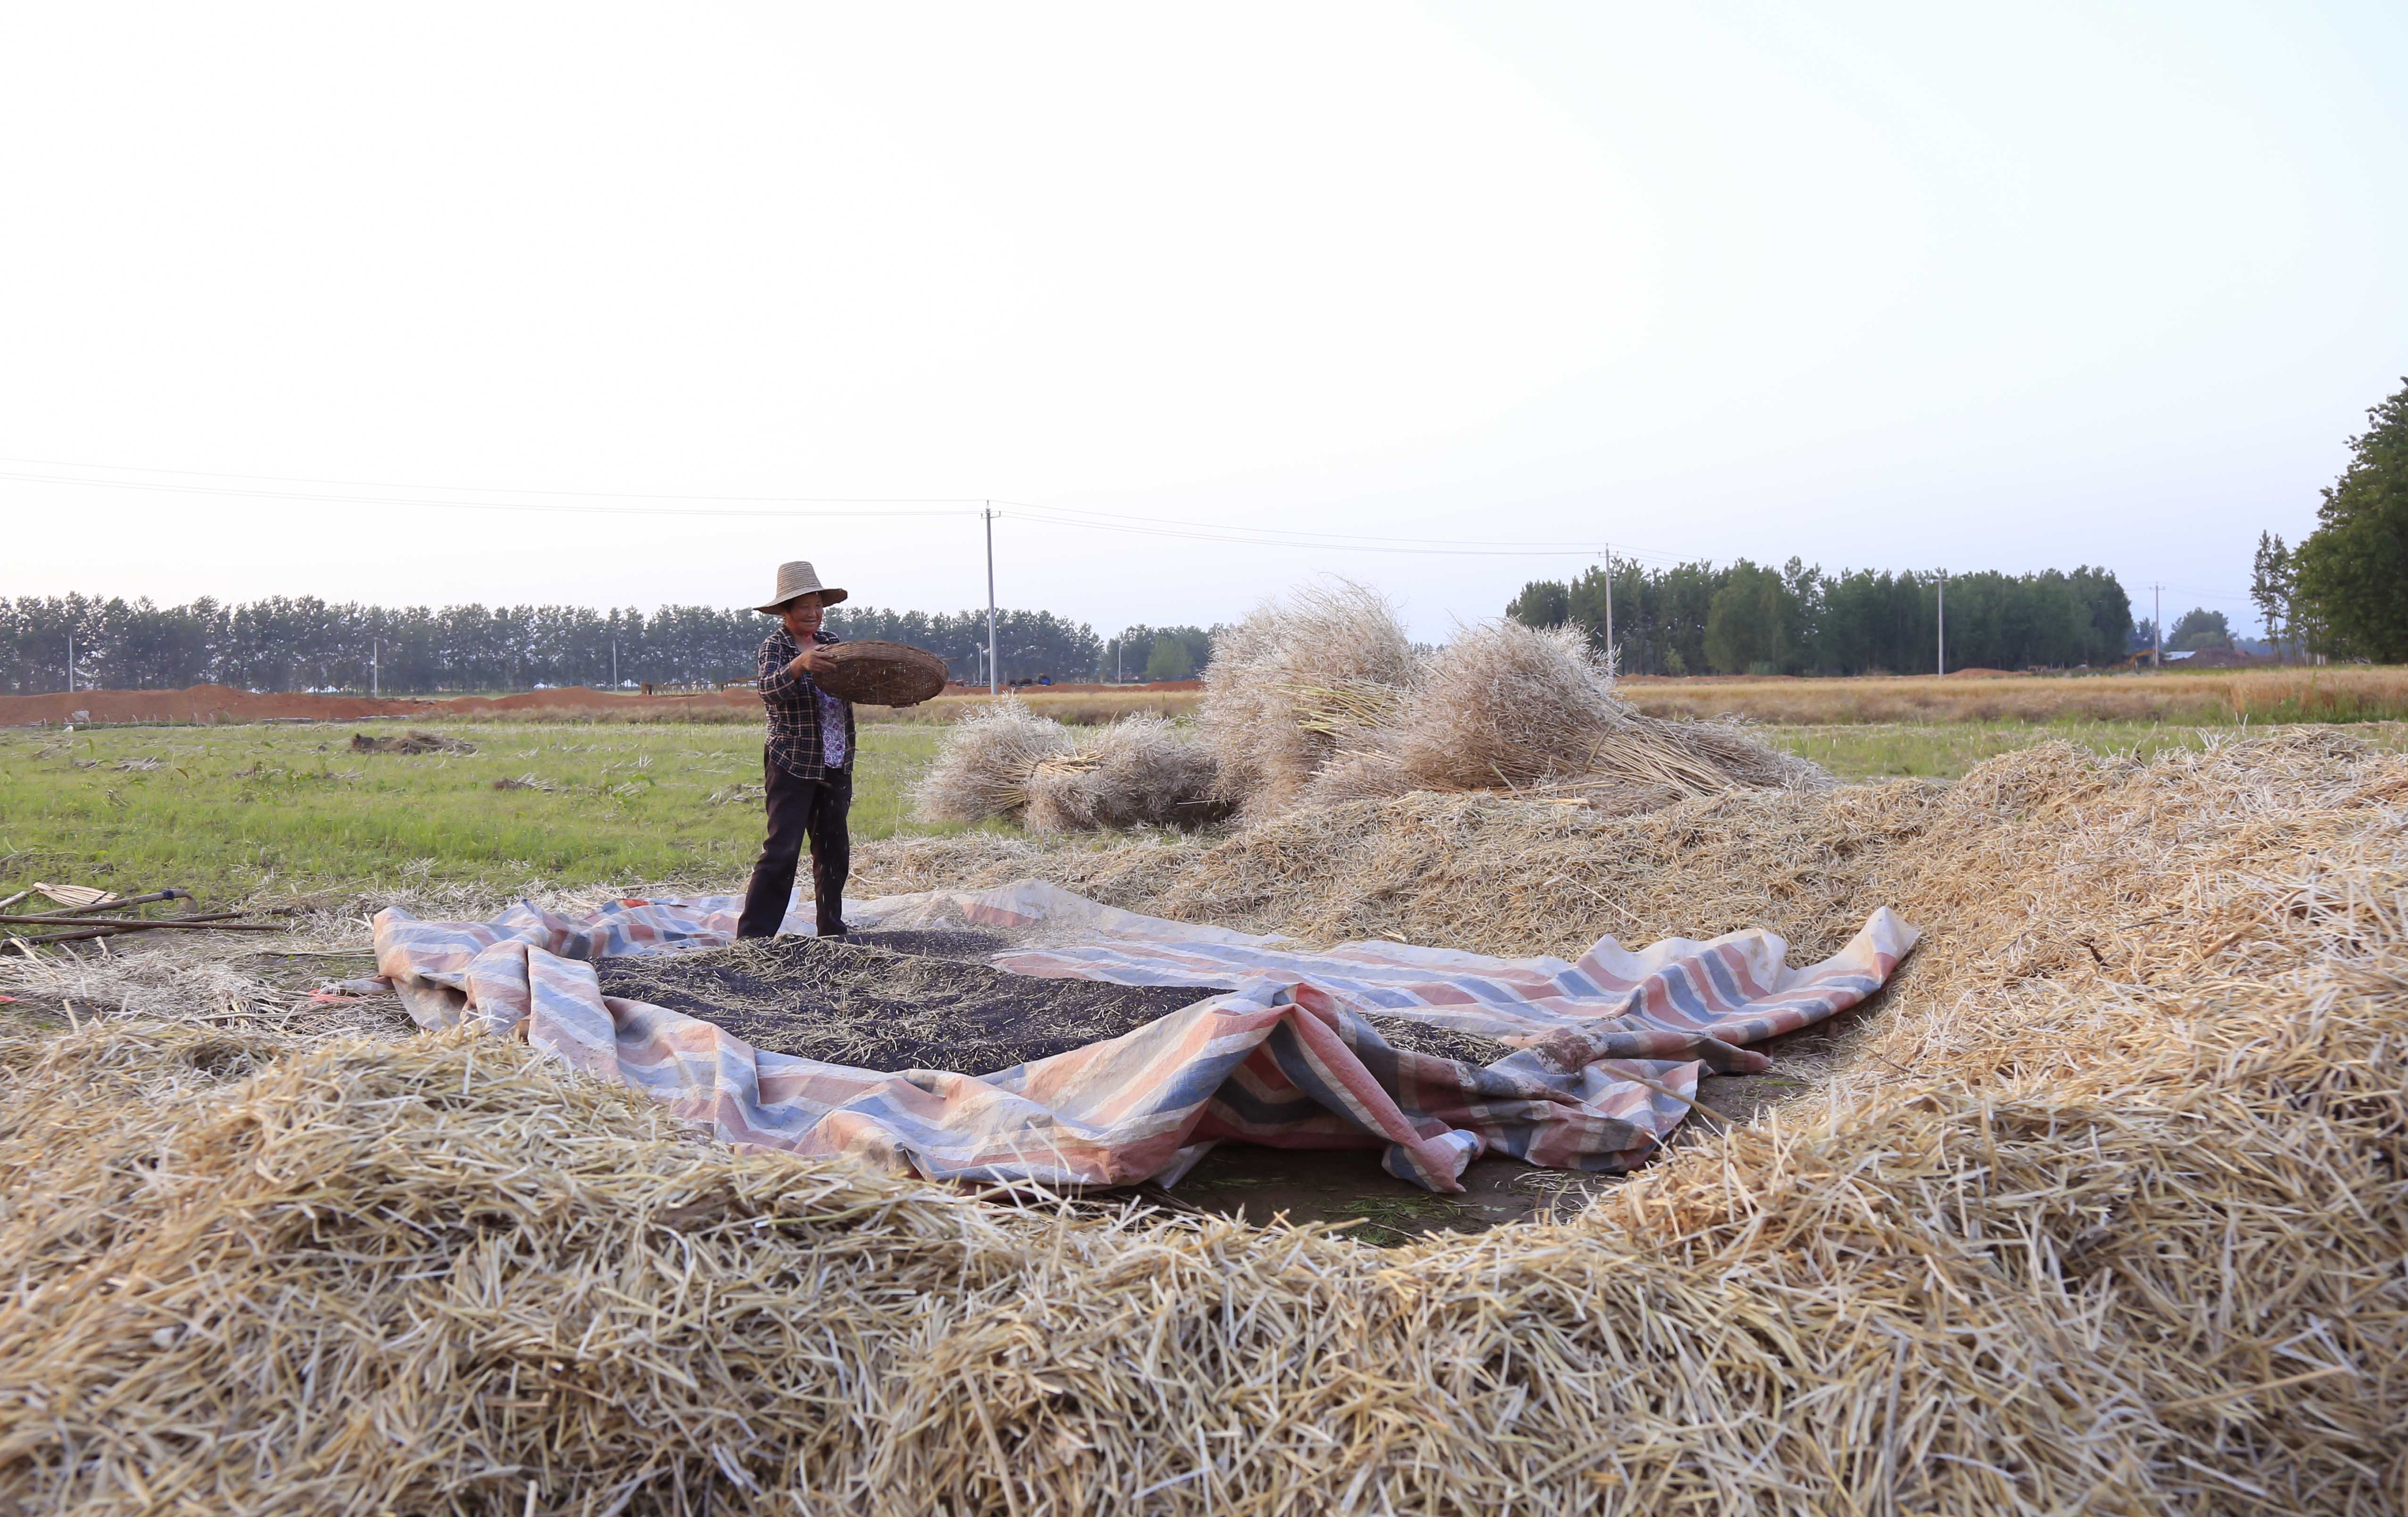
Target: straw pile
(1008, 761)
(1321, 699)
(2105, 1212)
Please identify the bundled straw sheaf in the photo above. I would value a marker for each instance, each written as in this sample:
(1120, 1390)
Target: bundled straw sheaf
(2105, 1213)
(1138, 771)
(1008, 761)
(1291, 684)
(983, 765)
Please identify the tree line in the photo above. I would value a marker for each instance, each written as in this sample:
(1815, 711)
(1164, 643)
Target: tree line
(2343, 591)
(293, 644)
(1744, 618)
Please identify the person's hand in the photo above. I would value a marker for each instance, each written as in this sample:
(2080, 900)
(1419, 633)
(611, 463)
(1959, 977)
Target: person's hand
(805, 662)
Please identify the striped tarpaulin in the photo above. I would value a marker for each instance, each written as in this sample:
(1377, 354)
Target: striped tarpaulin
(1283, 1057)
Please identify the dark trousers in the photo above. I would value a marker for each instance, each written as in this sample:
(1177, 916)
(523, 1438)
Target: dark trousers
(801, 810)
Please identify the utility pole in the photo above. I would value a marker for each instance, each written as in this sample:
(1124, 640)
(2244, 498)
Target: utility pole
(1609, 605)
(994, 676)
(614, 663)
(70, 662)
(376, 669)
(1944, 622)
(2157, 627)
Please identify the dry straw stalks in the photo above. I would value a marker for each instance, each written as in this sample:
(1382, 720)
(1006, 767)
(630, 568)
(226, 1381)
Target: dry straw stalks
(2105, 1211)
(1321, 698)
(1006, 760)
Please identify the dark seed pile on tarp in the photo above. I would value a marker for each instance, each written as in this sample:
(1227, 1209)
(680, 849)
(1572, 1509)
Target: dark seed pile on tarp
(924, 1000)
(864, 1004)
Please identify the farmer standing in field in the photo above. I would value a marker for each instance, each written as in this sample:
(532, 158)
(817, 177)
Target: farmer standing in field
(807, 768)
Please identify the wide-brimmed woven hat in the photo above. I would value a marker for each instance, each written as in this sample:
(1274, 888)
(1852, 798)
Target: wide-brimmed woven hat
(800, 579)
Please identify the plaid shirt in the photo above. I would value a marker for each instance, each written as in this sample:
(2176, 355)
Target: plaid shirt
(797, 709)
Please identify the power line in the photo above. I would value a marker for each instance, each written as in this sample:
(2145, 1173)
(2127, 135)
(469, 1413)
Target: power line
(821, 507)
(1248, 539)
(323, 498)
(399, 494)
(488, 489)
(1585, 544)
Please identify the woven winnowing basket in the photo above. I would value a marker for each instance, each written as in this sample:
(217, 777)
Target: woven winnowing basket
(873, 672)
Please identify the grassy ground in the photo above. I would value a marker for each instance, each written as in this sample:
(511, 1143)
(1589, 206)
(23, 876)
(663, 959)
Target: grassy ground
(227, 812)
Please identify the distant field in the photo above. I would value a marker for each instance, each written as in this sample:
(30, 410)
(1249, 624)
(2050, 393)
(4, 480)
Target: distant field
(2218, 698)
(2210, 697)
(1945, 750)
(289, 810)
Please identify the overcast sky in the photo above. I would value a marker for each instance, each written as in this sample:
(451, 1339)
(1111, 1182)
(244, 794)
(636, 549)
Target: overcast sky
(1899, 286)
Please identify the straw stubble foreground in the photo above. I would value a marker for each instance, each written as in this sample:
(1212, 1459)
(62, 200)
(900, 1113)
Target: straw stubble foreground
(2106, 1211)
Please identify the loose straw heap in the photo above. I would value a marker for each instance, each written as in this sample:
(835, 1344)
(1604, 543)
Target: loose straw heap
(2105, 1212)
(1320, 698)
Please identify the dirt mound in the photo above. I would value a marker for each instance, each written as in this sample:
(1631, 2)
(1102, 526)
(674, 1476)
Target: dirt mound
(2103, 1211)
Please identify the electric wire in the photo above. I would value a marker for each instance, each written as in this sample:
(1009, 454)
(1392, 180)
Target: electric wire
(751, 507)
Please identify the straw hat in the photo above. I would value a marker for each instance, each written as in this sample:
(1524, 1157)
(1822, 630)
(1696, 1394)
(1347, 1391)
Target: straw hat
(800, 579)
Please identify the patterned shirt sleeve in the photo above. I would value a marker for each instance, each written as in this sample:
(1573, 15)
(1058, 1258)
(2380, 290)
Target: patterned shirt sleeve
(777, 650)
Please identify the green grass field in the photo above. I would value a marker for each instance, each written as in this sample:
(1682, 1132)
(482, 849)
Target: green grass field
(227, 812)
(231, 812)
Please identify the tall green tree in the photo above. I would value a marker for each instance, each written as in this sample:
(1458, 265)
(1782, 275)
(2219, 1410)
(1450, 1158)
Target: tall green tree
(1139, 651)
(2199, 627)
(2273, 581)
(2351, 571)
(1750, 626)
(1170, 660)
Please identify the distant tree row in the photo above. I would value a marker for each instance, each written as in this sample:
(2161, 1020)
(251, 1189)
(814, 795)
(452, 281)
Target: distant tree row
(1698, 618)
(306, 643)
(2344, 590)
(1159, 653)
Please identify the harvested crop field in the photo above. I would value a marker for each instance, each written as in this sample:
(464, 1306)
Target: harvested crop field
(2103, 1210)
(2175, 696)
